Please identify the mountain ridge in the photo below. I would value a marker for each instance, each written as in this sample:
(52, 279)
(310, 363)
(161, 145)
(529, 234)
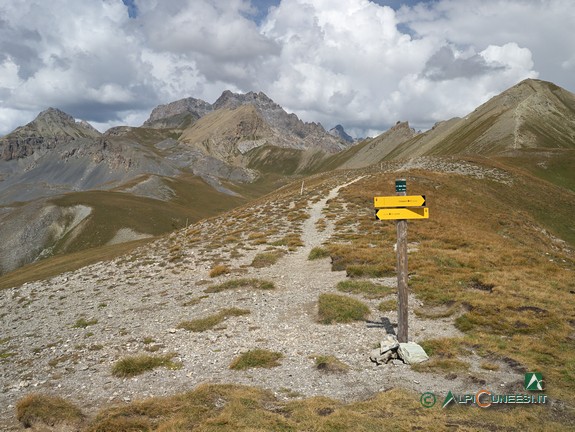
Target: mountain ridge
(531, 114)
(246, 146)
(284, 130)
(339, 131)
(188, 143)
(50, 127)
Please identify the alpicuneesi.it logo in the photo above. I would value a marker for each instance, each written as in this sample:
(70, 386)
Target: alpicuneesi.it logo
(533, 381)
(485, 398)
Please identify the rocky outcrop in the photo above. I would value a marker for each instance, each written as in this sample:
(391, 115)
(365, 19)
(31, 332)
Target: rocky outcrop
(273, 123)
(289, 130)
(339, 132)
(178, 114)
(48, 130)
(412, 353)
(387, 350)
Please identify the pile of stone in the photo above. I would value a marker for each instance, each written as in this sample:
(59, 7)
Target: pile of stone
(390, 349)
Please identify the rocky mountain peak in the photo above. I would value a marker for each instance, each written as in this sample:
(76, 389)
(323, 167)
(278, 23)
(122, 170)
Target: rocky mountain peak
(54, 116)
(528, 88)
(53, 122)
(268, 124)
(339, 132)
(176, 113)
(51, 127)
(232, 100)
(402, 126)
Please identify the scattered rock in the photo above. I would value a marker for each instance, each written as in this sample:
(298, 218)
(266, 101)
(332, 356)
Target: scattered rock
(390, 349)
(388, 343)
(412, 353)
(387, 350)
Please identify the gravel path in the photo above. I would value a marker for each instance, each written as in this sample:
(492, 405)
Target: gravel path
(138, 305)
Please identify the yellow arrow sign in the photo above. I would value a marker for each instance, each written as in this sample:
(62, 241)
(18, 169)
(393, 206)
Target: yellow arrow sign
(399, 201)
(402, 213)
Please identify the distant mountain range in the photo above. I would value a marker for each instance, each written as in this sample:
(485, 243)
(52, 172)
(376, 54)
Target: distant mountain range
(187, 152)
(64, 186)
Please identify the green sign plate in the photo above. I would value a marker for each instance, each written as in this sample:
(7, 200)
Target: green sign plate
(401, 185)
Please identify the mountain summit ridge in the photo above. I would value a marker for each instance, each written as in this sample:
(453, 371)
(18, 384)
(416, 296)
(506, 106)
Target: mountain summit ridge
(275, 126)
(173, 114)
(50, 127)
(531, 114)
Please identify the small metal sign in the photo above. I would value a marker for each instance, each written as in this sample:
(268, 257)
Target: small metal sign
(401, 185)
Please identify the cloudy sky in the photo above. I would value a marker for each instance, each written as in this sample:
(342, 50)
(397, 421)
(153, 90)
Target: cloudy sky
(363, 64)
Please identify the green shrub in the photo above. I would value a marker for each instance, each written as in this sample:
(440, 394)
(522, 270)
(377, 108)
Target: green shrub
(368, 270)
(257, 358)
(241, 283)
(330, 363)
(463, 323)
(335, 308)
(209, 322)
(266, 259)
(136, 365)
(388, 305)
(366, 288)
(292, 241)
(83, 323)
(318, 253)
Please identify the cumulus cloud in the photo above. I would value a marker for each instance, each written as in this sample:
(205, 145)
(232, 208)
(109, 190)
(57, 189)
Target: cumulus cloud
(356, 62)
(349, 62)
(448, 64)
(73, 55)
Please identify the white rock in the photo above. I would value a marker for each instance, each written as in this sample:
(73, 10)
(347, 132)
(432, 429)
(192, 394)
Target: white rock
(412, 353)
(388, 343)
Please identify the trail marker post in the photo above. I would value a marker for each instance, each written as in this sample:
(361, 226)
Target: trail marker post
(400, 208)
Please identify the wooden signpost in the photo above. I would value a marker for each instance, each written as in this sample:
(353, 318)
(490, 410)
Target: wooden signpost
(401, 208)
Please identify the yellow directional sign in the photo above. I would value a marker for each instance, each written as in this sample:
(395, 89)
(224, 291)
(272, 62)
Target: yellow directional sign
(402, 213)
(399, 201)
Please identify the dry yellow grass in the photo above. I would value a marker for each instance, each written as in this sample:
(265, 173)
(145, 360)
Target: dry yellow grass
(329, 364)
(44, 410)
(236, 407)
(483, 256)
(266, 259)
(218, 270)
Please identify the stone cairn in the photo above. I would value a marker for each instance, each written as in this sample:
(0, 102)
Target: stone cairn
(390, 349)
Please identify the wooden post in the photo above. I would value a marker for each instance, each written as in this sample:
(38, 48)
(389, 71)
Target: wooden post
(402, 287)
